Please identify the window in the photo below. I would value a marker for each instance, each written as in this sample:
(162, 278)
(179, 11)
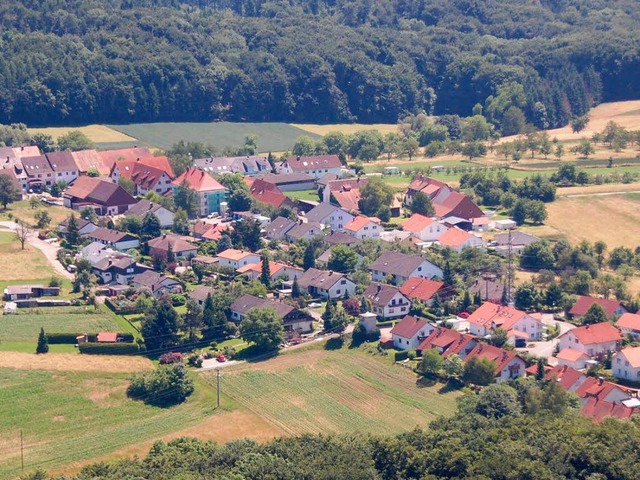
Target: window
(403, 309)
(338, 291)
(419, 269)
(343, 282)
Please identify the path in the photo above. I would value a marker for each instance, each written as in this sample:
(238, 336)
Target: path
(48, 249)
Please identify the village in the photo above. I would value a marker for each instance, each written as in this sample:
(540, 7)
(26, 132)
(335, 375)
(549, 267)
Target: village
(432, 281)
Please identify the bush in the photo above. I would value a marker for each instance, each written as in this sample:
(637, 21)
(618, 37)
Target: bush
(109, 348)
(411, 354)
(170, 358)
(194, 360)
(178, 299)
(229, 352)
(167, 385)
(62, 338)
(400, 356)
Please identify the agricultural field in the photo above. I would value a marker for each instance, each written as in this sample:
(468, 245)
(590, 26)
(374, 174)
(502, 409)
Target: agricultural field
(325, 391)
(346, 128)
(96, 133)
(612, 218)
(274, 137)
(68, 417)
(19, 331)
(25, 265)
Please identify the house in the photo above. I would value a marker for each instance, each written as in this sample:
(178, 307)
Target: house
(595, 339)
(146, 174)
(278, 228)
(325, 284)
(458, 239)
(210, 192)
(567, 377)
(290, 182)
(409, 332)
(582, 305)
(295, 320)
(64, 166)
(344, 193)
(480, 224)
(448, 342)
(323, 259)
(387, 301)
(39, 172)
(85, 227)
(489, 287)
(363, 227)
(449, 203)
(626, 364)
(104, 197)
(19, 181)
(158, 283)
(112, 238)
(25, 292)
(397, 236)
(316, 166)
(490, 316)
(200, 294)
(96, 251)
(178, 244)
(568, 357)
(629, 324)
(519, 240)
(164, 215)
(341, 238)
(277, 270)
(423, 290)
(217, 231)
(428, 186)
(425, 228)
(329, 215)
(508, 364)
(91, 161)
(116, 268)
(600, 409)
(601, 390)
(303, 231)
(248, 165)
(109, 157)
(235, 259)
(401, 267)
(26, 151)
(267, 193)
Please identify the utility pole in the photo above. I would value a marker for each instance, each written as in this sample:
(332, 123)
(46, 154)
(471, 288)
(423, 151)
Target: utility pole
(218, 384)
(21, 451)
(510, 272)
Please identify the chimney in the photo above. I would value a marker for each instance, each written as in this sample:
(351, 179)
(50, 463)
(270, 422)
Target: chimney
(164, 236)
(138, 159)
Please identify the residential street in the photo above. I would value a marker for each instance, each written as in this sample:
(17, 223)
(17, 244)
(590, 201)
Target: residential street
(545, 349)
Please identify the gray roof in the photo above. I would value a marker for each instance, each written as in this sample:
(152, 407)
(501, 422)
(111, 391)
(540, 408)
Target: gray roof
(111, 236)
(380, 294)
(341, 238)
(320, 212)
(319, 278)
(244, 165)
(279, 226)
(246, 302)
(201, 293)
(121, 262)
(143, 207)
(397, 263)
(286, 178)
(517, 238)
(300, 230)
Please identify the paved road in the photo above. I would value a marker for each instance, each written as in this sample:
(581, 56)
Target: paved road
(49, 250)
(545, 349)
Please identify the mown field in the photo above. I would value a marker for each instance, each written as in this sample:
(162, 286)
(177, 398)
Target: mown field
(274, 137)
(324, 391)
(16, 264)
(71, 417)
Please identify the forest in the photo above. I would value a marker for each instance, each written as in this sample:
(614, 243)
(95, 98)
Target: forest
(71, 62)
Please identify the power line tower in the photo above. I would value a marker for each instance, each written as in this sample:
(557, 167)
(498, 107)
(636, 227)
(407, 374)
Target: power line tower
(510, 272)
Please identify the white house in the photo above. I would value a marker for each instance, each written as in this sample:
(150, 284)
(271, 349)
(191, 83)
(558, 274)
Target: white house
(165, 216)
(595, 339)
(387, 301)
(84, 226)
(508, 364)
(400, 267)
(489, 316)
(114, 239)
(458, 239)
(330, 216)
(575, 359)
(237, 258)
(316, 166)
(324, 284)
(626, 364)
(277, 270)
(363, 227)
(425, 228)
(409, 332)
(629, 324)
(64, 166)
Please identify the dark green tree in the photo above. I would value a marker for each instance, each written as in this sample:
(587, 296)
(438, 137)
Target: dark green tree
(150, 226)
(421, 204)
(160, 326)
(43, 343)
(497, 401)
(295, 288)
(265, 273)
(479, 371)
(263, 327)
(431, 363)
(595, 314)
(186, 198)
(309, 260)
(343, 259)
(9, 193)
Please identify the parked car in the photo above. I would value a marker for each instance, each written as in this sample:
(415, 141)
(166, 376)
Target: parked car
(221, 358)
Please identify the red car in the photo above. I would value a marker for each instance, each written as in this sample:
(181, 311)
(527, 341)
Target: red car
(221, 358)
(295, 341)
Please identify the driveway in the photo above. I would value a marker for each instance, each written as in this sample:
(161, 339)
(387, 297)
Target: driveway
(49, 249)
(545, 349)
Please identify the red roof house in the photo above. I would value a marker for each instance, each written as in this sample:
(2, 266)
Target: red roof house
(422, 289)
(611, 307)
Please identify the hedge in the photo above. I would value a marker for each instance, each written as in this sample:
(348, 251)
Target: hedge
(70, 338)
(109, 348)
(399, 356)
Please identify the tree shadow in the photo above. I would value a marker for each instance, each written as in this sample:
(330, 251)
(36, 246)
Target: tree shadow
(334, 344)
(426, 381)
(452, 385)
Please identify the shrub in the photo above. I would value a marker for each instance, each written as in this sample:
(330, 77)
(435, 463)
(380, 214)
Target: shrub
(194, 360)
(400, 356)
(178, 299)
(229, 352)
(167, 385)
(411, 354)
(170, 358)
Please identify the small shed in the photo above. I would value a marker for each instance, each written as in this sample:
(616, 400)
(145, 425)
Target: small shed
(391, 171)
(505, 224)
(10, 307)
(369, 319)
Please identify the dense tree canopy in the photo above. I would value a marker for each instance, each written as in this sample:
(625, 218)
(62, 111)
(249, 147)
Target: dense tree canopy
(326, 61)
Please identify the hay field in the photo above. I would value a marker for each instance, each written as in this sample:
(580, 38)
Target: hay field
(96, 133)
(321, 391)
(346, 128)
(17, 264)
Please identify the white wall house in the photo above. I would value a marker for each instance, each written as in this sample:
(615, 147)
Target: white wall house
(409, 332)
(425, 228)
(626, 364)
(387, 301)
(237, 258)
(595, 339)
(324, 284)
(363, 227)
(401, 267)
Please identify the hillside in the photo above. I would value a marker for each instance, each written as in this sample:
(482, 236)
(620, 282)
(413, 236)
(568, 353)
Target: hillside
(128, 61)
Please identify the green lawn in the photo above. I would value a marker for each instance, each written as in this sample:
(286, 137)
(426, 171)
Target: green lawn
(275, 137)
(25, 325)
(322, 391)
(68, 417)
(303, 195)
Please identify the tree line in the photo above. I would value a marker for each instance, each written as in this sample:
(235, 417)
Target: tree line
(326, 61)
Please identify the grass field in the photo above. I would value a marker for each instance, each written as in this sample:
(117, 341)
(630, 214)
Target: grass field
(320, 391)
(273, 137)
(614, 219)
(96, 133)
(303, 195)
(24, 265)
(69, 417)
(23, 211)
(346, 128)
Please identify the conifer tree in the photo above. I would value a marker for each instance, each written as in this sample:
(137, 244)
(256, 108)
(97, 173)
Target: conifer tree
(295, 288)
(170, 255)
(364, 305)
(265, 274)
(72, 235)
(309, 260)
(327, 316)
(447, 275)
(43, 343)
